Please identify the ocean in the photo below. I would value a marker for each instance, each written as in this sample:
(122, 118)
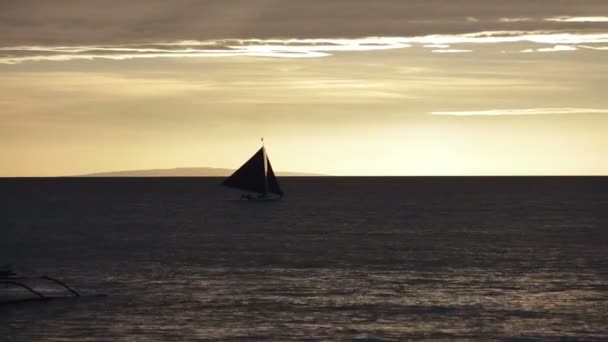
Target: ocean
(340, 258)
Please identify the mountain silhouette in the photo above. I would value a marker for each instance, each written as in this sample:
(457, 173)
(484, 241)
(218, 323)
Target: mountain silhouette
(184, 172)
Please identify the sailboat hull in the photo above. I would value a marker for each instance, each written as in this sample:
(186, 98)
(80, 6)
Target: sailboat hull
(268, 198)
(265, 199)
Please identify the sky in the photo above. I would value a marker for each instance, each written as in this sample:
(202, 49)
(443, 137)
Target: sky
(340, 87)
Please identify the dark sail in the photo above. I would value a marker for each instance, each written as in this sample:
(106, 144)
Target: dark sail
(250, 176)
(273, 183)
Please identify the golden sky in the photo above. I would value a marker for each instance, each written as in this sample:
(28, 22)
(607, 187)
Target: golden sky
(339, 87)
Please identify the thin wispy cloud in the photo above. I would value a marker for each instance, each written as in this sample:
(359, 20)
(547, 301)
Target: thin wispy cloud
(436, 46)
(528, 111)
(556, 48)
(558, 19)
(514, 20)
(451, 51)
(600, 48)
(493, 37)
(579, 19)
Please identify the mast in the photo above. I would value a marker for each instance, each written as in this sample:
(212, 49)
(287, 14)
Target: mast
(265, 168)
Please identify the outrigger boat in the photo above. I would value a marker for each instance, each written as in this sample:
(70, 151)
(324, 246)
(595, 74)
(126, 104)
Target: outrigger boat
(18, 289)
(256, 176)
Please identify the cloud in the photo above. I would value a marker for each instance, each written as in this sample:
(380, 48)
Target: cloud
(493, 37)
(300, 48)
(515, 20)
(288, 48)
(579, 19)
(529, 111)
(599, 48)
(451, 51)
(556, 48)
(63, 30)
(437, 46)
(559, 19)
(91, 22)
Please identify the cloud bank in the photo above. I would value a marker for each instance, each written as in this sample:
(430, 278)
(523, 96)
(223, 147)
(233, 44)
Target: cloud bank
(304, 48)
(94, 22)
(60, 30)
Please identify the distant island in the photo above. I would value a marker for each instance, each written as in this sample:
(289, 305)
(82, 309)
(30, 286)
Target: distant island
(185, 172)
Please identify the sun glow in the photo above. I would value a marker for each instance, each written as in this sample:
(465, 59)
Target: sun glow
(375, 90)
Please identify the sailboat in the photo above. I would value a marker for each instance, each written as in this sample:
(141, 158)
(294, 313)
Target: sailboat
(256, 176)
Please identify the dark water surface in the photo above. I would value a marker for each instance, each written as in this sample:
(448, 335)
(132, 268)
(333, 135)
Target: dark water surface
(338, 259)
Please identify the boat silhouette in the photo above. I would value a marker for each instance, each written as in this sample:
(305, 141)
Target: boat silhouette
(256, 178)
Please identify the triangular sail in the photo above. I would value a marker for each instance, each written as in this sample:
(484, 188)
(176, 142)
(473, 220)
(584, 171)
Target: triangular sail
(251, 176)
(256, 175)
(273, 182)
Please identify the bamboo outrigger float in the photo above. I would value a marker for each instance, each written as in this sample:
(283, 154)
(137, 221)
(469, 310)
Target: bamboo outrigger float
(21, 289)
